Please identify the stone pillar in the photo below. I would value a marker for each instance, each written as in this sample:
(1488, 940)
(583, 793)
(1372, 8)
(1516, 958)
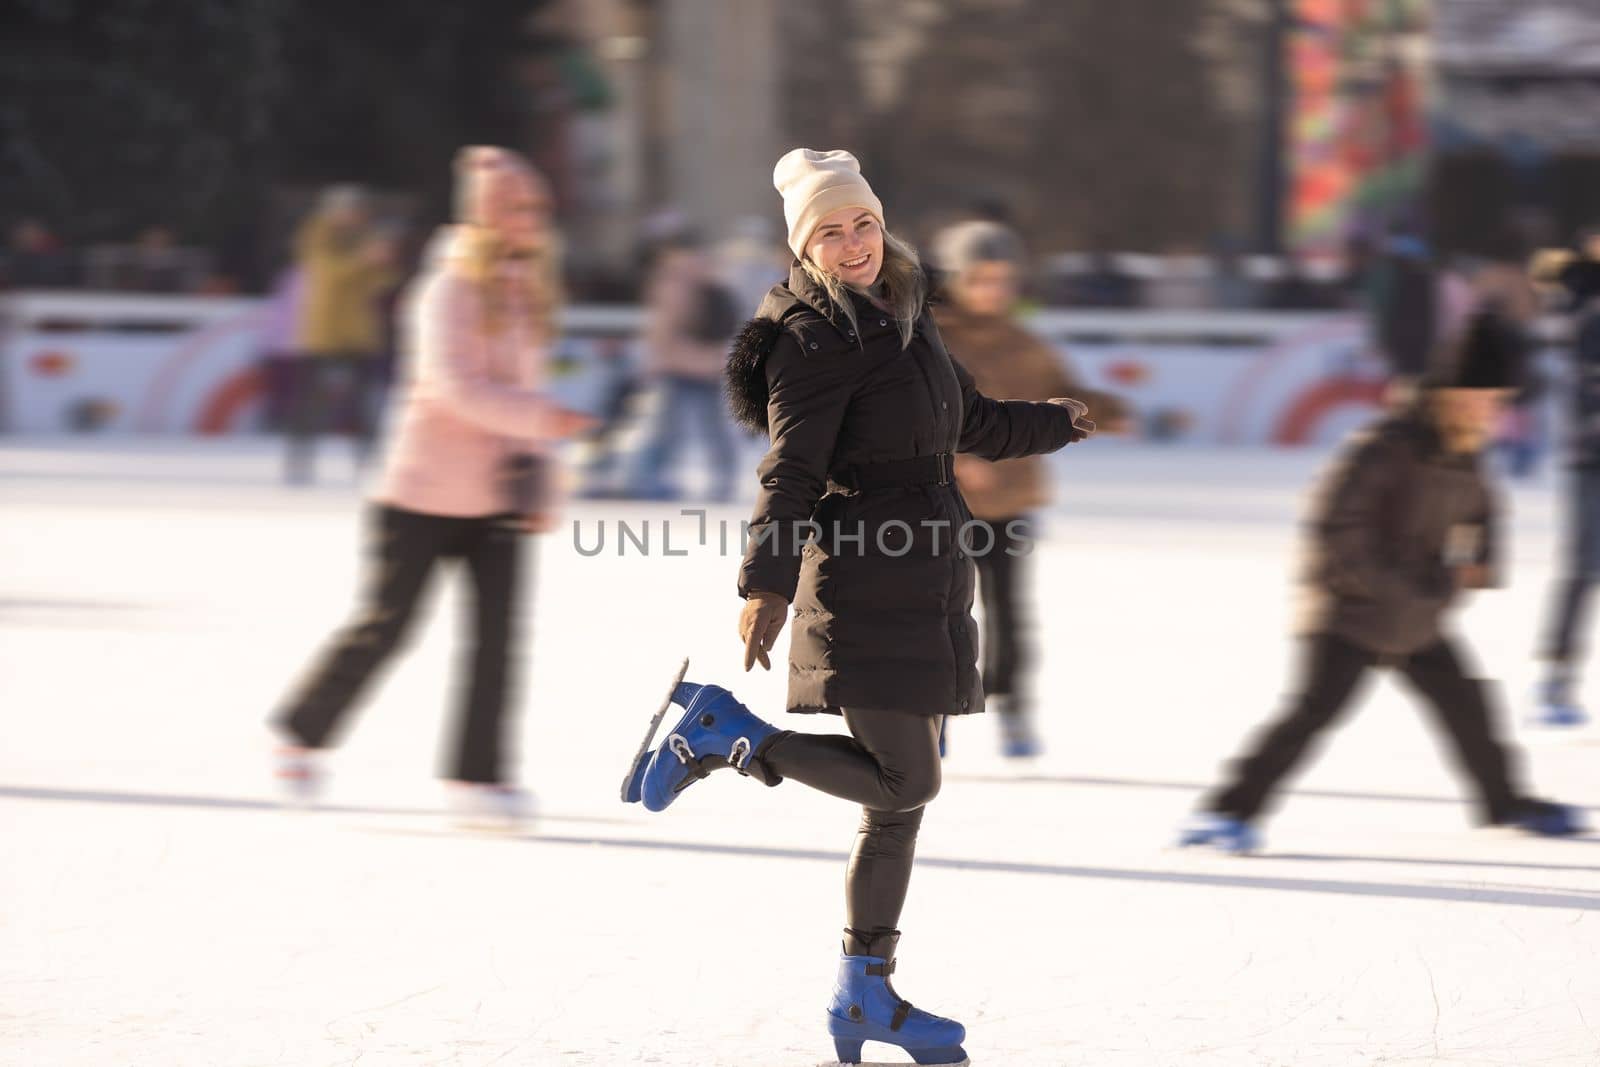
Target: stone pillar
(719, 136)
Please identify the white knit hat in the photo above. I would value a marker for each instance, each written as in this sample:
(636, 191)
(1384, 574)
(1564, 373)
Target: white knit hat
(815, 184)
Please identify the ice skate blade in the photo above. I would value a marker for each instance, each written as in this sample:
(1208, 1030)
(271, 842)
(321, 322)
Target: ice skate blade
(1214, 848)
(298, 784)
(965, 1061)
(1556, 720)
(633, 782)
(848, 1049)
(471, 825)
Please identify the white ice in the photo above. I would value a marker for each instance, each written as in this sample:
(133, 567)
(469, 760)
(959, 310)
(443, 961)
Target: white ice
(157, 599)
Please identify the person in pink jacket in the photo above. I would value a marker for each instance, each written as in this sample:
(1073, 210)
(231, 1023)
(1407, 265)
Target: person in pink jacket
(465, 472)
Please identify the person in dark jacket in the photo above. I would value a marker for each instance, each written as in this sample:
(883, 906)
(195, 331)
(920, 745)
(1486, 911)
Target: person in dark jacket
(858, 527)
(1403, 302)
(1574, 282)
(1404, 523)
(981, 263)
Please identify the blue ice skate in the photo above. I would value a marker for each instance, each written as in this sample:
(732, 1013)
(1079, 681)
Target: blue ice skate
(1545, 818)
(715, 731)
(1020, 747)
(1018, 739)
(865, 1008)
(1221, 832)
(1555, 707)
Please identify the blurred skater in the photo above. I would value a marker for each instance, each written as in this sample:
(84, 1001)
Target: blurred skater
(1405, 523)
(466, 473)
(602, 445)
(1402, 304)
(1501, 283)
(689, 318)
(345, 266)
(982, 262)
(1573, 283)
(280, 352)
(864, 407)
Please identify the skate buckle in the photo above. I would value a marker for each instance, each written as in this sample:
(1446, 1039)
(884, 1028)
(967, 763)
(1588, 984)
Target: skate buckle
(680, 748)
(739, 755)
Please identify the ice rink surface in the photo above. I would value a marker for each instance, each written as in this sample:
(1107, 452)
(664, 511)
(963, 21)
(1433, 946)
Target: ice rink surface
(156, 908)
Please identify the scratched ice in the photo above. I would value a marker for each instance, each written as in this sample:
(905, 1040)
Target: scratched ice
(155, 907)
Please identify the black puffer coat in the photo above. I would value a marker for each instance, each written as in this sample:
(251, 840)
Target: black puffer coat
(882, 597)
(1394, 518)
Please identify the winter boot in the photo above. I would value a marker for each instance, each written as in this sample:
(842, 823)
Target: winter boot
(1544, 818)
(715, 731)
(299, 776)
(865, 1007)
(1556, 708)
(1018, 739)
(495, 806)
(1222, 832)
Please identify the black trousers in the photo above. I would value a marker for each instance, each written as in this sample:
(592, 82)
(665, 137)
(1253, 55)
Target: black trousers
(328, 392)
(1007, 648)
(1333, 668)
(889, 764)
(405, 547)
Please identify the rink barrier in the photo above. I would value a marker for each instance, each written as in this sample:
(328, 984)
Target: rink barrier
(131, 363)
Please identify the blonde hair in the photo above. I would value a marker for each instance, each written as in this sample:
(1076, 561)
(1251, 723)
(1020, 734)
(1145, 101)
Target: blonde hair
(483, 253)
(903, 285)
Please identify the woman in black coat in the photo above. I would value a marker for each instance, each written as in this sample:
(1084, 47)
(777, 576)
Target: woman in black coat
(860, 528)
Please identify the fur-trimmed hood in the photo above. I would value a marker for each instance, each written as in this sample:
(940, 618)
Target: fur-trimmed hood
(784, 307)
(801, 307)
(746, 373)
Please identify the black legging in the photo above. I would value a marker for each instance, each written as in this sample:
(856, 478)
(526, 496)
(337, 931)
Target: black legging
(1333, 668)
(405, 546)
(890, 766)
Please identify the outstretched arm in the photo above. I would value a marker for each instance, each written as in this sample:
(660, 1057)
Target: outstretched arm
(1006, 429)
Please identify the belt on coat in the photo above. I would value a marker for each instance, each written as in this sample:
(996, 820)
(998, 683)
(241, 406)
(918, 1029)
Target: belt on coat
(935, 469)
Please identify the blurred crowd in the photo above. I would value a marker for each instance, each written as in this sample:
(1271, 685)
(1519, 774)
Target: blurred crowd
(1225, 278)
(328, 352)
(157, 261)
(1185, 280)
(153, 261)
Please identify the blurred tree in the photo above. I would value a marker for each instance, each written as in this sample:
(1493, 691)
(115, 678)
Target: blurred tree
(1083, 121)
(114, 115)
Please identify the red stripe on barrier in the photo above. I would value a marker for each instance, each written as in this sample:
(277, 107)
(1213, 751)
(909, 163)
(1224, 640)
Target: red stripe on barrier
(1315, 404)
(228, 399)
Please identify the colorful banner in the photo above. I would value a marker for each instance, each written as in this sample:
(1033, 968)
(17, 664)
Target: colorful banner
(1358, 77)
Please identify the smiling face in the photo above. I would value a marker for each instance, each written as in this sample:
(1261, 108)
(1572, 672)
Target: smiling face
(848, 244)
